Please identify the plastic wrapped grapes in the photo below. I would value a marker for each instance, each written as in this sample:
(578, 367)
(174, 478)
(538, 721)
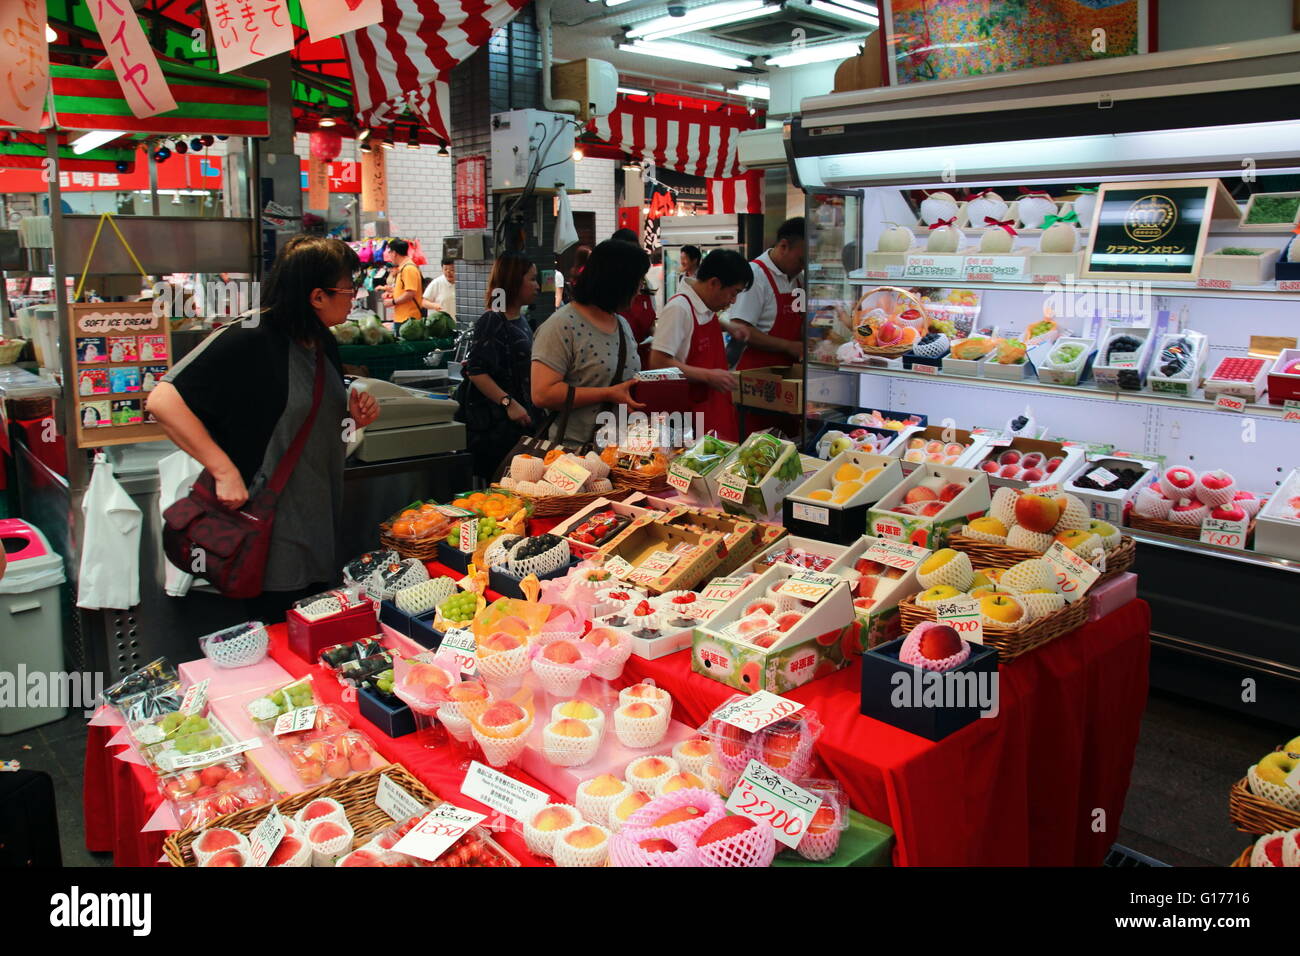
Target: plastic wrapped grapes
(459, 608)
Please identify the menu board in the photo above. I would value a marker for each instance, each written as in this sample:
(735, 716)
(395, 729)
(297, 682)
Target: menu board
(122, 349)
(1153, 230)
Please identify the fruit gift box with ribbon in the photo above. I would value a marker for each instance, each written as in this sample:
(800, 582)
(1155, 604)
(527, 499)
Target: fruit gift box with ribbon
(1059, 254)
(832, 505)
(930, 505)
(789, 626)
(334, 617)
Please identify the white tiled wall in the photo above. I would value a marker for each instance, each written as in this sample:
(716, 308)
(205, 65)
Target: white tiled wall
(598, 176)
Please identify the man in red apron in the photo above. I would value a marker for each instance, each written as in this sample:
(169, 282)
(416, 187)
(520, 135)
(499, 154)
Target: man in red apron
(688, 336)
(765, 317)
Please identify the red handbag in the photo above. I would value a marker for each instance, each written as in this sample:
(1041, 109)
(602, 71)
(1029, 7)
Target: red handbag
(230, 547)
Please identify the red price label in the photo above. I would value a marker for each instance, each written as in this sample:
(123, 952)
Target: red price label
(763, 794)
(732, 490)
(1227, 403)
(756, 711)
(468, 535)
(679, 479)
(439, 829)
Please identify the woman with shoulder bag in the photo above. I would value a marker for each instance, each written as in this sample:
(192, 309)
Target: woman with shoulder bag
(495, 395)
(260, 404)
(584, 356)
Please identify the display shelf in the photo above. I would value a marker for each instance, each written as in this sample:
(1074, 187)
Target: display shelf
(1268, 290)
(1081, 391)
(1190, 546)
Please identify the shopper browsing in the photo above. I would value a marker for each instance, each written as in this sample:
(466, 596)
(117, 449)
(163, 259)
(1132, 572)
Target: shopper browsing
(688, 336)
(440, 294)
(584, 355)
(407, 284)
(640, 311)
(495, 397)
(236, 403)
(764, 317)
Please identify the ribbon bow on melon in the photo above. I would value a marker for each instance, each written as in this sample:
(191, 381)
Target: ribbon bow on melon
(1070, 216)
(1007, 224)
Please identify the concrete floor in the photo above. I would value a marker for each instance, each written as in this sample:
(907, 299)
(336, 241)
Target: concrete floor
(1188, 757)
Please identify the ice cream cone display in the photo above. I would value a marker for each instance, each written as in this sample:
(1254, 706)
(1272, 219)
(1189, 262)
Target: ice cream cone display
(583, 844)
(502, 727)
(736, 841)
(945, 566)
(599, 795)
(217, 840)
(647, 773)
(986, 528)
(608, 652)
(541, 829)
(583, 710)
(569, 743)
(329, 839)
(694, 754)
(624, 808)
(934, 647)
(1027, 576)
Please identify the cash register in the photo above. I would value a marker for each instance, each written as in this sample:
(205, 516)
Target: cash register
(411, 423)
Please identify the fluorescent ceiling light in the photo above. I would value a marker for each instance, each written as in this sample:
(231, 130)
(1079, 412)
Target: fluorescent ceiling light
(609, 3)
(835, 10)
(686, 53)
(868, 8)
(50, 35)
(631, 91)
(701, 18)
(752, 90)
(817, 54)
(95, 138)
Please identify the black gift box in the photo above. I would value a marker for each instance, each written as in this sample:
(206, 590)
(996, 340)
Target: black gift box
(842, 526)
(905, 702)
(453, 558)
(507, 585)
(418, 627)
(396, 720)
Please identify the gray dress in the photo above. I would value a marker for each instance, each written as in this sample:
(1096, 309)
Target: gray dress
(302, 540)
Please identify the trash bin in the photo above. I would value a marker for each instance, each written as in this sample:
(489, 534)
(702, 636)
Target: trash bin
(31, 632)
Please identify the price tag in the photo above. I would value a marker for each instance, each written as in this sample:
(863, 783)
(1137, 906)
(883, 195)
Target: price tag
(1288, 285)
(763, 794)
(460, 643)
(962, 614)
(1224, 533)
(396, 801)
(925, 369)
(1103, 476)
(757, 711)
(303, 718)
(1123, 360)
(808, 585)
(1074, 575)
(266, 836)
(1291, 410)
(722, 590)
(1047, 490)
(679, 478)
(935, 267)
(811, 513)
(995, 268)
(215, 756)
(1214, 283)
(1003, 442)
(639, 442)
(617, 566)
(440, 828)
(660, 563)
(503, 794)
(568, 476)
(196, 697)
(1229, 403)
(468, 535)
(451, 511)
(732, 488)
(902, 556)
(1293, 778)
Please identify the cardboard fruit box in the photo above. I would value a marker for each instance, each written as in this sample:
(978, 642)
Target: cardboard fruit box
(825, 640)
(697, 556)
(778, 388)
(566, 528)
(911, 454)
(740, 537)
(1071, 460)
(763, 498)
(808, 513)
(828, 550)
(930, 531)
(1275, 533)
(694, 473)
(881, 573)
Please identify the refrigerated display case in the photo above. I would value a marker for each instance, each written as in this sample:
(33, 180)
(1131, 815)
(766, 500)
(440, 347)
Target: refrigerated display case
(1184, 361)
(706, 232)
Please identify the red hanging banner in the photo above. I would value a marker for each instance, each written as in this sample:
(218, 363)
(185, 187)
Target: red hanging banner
(471, 192)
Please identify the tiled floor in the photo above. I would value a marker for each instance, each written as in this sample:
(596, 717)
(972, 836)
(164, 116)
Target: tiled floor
(1177, 809)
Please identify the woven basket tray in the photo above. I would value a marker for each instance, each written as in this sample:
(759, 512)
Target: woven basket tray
(565, 506)
(1244, 859)
(1009, 642)
(9, 353)
(1252, 814)
(656, 485)
(356, 793)
(986, 554)
(1176, 530)
(425, 550)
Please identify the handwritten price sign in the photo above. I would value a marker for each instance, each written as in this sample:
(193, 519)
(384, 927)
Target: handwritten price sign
(963, 616)
(567, 476)
(679, 478)
(732, 489)
(213, 756)
(1074, 575)
(303, 718)
(266, 837)
(460, 643)
(440, 828)
(902, 556)
(1225, 534)
(757, 711)
(1291, 410)
(468, 535)
(659, 563)
(722, 589)
(1227, 403)
(808, 585)
(618, 567)
(763, 794)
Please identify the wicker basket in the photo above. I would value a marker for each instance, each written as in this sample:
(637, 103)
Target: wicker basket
(1253, 814)
(356, 793)
(1176, 530)
(987, 554)
(656, 485)
(10, 351)
(566, 506)
(890, 351)
(1009, 642)
(1244, 859)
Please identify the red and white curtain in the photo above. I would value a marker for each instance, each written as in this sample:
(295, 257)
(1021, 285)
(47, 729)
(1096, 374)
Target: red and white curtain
(742, 194)
(405, 60)
(689, 140)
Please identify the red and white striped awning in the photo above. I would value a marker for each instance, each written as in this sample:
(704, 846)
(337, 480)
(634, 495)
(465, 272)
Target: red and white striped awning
(698, 142)
(744, 194)
(405, 60)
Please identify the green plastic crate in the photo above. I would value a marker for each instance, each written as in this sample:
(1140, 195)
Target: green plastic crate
(383, 360)
(866, 842)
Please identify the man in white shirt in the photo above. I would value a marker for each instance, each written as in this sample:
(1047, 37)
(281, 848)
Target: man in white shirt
(440, 294)
(765, 317)
(688, 336)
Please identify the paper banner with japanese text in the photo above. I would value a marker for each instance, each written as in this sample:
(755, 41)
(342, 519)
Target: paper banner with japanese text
(331, 18)
(243, 33)
(374, 182)
(25, 62)
(138, 73)
(318, 183)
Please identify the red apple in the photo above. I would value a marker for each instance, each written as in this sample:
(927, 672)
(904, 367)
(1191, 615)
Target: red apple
(939, 642)
(1228, 512)
(1214, 480)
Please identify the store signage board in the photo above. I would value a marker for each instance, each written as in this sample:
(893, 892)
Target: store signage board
(318, 184)
(109, 336)
(374, 182)
(503, 794)
(396, 801)
(763, 794)
(471, 192)
(995, 268)
(1155, 229)
(24, 64)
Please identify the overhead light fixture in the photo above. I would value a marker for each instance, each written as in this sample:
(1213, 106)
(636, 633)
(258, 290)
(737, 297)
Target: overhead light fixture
(392, 137)
(835, 10)
(817, 54)
(363, 135)
(609, 3)
(413, 141)
(752, 90)
(631, 166)
(442, 150)
(686, 53)
(579, 153)
(870, 9)
(50, 35)
(365, 147)
(701, 18)
(327, 120)
(94, 139)
(631, 92)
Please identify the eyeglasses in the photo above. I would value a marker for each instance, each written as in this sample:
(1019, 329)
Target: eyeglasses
(351, 291)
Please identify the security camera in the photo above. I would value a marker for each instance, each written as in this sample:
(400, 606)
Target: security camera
(677, 9)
